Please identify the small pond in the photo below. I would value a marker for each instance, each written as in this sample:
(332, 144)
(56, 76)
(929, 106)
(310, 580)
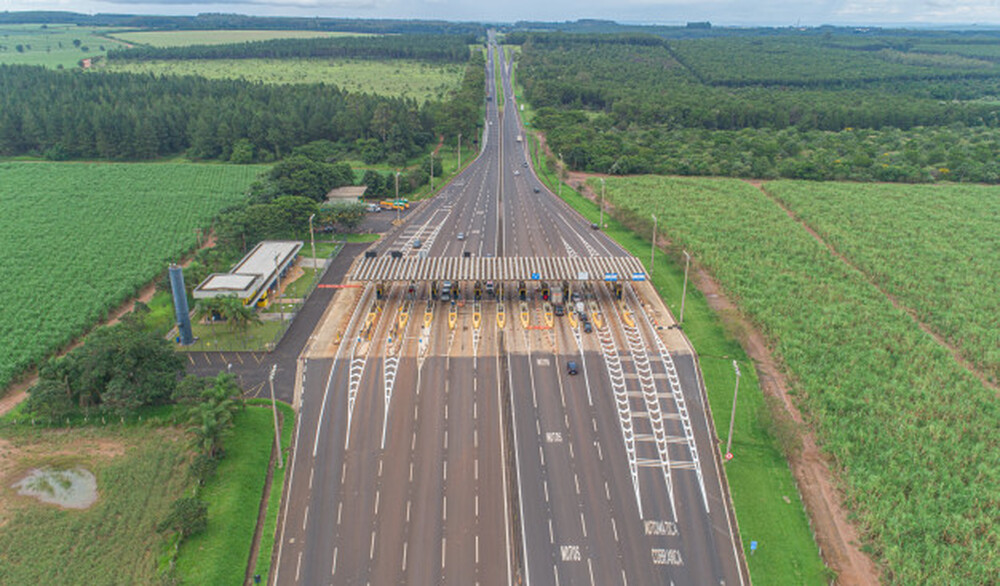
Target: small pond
(75, 488)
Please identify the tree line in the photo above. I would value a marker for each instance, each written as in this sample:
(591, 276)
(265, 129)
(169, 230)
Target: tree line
(433, 48)
(621, 104)
(118, 116)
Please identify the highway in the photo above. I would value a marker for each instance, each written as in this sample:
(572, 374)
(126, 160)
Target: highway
(447, 443)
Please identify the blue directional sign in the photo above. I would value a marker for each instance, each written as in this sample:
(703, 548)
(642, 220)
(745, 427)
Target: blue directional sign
(638, 276)
(753, 547)
(536, 276)
(611, 277)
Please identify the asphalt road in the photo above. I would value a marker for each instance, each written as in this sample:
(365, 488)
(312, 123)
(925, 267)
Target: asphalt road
(438, 447)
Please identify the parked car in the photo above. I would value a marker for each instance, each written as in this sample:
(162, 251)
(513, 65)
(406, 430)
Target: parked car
(571, 367)
(587, 327)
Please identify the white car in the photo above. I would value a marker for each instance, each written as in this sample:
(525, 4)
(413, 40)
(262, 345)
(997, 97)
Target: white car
(461, 235)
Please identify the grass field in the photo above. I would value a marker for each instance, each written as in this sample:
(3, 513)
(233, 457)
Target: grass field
(81, 238)
(936, 248)
(219, 37)
(411, 79)
(139, 470)
(759, 478)
(220, 555)
(911, 433)
(52, 46)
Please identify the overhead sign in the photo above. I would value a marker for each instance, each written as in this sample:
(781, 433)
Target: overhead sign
(638, 276)
(536, 276)
(612, 277)
(583, 276)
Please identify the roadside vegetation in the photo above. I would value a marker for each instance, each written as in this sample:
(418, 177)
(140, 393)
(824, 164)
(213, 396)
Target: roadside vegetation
(910, 431)
(83, 238)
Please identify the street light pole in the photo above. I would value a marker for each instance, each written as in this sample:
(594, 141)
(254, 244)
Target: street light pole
(432, 172)
(559, 174)
(277, 286)
(274, 409)
(397, 196)
(602, 203)
(732, 418)
(312, 240)
(459, 150)
(652, 248)
(687, 265)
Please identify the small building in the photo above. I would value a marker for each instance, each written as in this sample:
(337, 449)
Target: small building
(348, 194)
(255, 276)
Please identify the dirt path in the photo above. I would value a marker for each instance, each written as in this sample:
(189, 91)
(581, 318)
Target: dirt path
(836, 537)
(941, 341)
(18, 391)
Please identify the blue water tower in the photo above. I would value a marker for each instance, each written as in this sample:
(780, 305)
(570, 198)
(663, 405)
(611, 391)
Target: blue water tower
(181, 305)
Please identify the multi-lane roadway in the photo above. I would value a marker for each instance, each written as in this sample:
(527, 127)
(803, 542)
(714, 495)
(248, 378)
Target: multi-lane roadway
(449, 443)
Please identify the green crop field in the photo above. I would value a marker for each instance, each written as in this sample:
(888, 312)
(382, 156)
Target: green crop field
(405, 78)
(219, 37)
(911, 434)
(52, 45)
(79, 239)
(936, 248)
(139, 471)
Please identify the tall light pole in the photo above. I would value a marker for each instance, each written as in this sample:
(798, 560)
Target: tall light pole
(277, 286)
(397, 196)
(732, 418)
(652, 248)
(312, 240)
(602, 203)
(274, 408)
(459, 150)
(687, 265)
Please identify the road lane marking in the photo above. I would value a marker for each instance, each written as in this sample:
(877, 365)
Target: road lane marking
(378, 495)
(371, 550)
(444, 475)
(343, 472)
(333, 570)
(583, 523)
(576, 481)
(340, 509)
(413, 441)
(446, 411)
(298, 567)
(477, 549)
(541, 455)
(404, 556)
(571, 455)
(555, 571)
(444, 508)
(475, 438)
(311, 471)
(305, 518)
(607, 491)
(545, 485)
(624, 579)
(614, 527)
(446, 439)
(552, 536)
(408, 511)
(475, 470)
(444, 541)
(477, 511)
(590, 569)
(380, 468)
(411, 471)
(600, 452)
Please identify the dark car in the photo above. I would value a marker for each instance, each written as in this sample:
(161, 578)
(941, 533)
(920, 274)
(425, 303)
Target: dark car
(595, 226)
(587, 327)
(559, 310)
(537, 190)
(571, 367)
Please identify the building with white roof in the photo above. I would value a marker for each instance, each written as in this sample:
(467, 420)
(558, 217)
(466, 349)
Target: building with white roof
(255, 275)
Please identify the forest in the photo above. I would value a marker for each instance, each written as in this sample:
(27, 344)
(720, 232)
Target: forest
(431, 48)
(116, 116)
(809, 107)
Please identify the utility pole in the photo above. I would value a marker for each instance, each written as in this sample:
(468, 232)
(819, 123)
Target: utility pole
(312, 240)
(432, 172)
(687, 265)
(652, 249)
(459, 150)
(274, 409)
(732, 418)
(602, 203)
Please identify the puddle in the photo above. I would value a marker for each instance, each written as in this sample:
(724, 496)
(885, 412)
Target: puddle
(75, 488)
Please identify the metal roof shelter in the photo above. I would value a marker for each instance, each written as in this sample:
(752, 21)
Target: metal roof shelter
(509, 268)
(349, 193)
(254, 274)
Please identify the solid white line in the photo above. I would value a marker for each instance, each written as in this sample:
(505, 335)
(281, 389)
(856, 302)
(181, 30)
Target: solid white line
(287, 502)
(517, 464)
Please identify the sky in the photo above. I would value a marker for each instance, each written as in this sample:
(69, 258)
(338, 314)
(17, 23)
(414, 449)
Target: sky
(720, 12)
